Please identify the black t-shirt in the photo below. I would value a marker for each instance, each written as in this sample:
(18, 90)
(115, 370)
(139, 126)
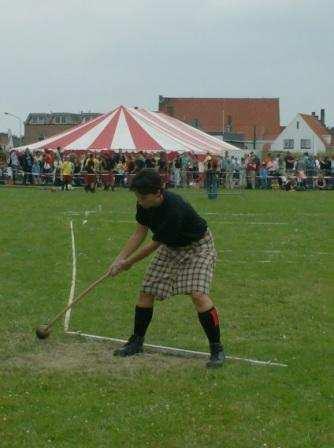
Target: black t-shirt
(174, 222)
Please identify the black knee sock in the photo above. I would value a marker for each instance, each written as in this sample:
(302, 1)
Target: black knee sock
(143, 318)
(210, 323)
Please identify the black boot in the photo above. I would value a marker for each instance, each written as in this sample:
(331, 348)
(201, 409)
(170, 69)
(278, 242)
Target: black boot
(217, 356)
(132, 347)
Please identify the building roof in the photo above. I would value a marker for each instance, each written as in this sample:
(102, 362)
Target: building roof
(134, 129)
(242, 115)
(317, 127)
(51, 118)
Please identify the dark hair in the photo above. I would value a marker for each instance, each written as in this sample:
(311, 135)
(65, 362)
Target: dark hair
(147, 181)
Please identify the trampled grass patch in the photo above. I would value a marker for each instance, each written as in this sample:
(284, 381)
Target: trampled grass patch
(273, 286)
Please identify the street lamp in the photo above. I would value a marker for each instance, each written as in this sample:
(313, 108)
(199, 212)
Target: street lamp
(20, 121)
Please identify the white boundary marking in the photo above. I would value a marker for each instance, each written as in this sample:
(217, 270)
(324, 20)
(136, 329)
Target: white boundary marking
(133, 221)
(177, 351)
(287, 252)
(223, 221)
(157, 348)
(74, 273)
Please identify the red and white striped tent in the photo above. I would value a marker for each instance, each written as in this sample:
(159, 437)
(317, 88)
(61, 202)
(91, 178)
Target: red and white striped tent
(133, 129)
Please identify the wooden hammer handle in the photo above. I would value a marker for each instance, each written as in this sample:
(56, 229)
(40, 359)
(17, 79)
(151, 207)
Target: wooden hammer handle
(78, 299)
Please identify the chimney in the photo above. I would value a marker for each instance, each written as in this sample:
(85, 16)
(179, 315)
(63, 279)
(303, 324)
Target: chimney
(322, 116)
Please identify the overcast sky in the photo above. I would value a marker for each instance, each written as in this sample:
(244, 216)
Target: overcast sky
(73, 55)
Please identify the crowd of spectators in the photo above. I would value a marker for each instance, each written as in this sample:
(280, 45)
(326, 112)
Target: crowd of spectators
(115, 169)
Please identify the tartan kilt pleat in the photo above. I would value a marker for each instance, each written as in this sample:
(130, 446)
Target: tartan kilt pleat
(90, 179)
(183, 270)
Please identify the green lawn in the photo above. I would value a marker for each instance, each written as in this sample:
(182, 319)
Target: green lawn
(273, 286)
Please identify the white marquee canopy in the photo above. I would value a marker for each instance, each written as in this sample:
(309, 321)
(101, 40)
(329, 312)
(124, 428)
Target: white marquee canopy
(135, 129)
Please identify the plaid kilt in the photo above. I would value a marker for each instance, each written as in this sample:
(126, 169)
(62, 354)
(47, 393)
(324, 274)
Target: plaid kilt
(67, 178)
(181, 270)
(107, 178)
(90, 179)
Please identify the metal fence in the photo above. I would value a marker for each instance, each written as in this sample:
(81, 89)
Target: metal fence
(180, 178)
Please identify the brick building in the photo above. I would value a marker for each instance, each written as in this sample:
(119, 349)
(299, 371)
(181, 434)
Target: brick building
(251, 123)
(39, 126)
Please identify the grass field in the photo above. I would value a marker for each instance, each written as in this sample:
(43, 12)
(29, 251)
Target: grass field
(273, 286)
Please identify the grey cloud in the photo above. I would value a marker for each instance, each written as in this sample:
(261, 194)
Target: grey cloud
(75, 55)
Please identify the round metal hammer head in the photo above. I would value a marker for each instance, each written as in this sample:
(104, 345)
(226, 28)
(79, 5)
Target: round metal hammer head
(42, 332)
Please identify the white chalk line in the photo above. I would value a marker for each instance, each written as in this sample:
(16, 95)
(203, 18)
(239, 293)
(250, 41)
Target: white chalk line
(227, 258)
(86, 213)
(178, 351)
(288, 252)
(222, 221)
(74, 273)
(133, 221)
(171, 350)
(130, 212)
(83, 212)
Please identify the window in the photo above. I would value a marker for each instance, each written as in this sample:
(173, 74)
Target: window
(57, 120)
(228, 126)
(34, 119)
(305, 143)
(289, 143)
(297, 124)
(38, 119)
(195, 123)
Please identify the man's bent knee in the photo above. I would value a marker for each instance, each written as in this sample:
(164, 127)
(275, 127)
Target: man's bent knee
(201, 301)
(145, 300)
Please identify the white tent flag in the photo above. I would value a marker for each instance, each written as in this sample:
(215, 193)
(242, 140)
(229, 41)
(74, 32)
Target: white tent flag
(10, 144)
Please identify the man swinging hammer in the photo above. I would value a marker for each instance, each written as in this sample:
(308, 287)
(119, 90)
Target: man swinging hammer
(183, 264)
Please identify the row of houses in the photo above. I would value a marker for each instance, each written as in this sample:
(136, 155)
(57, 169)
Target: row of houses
(252, 123)
(249, 123)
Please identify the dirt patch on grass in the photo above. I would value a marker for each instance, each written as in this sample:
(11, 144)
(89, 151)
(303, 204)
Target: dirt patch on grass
(93, 357)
